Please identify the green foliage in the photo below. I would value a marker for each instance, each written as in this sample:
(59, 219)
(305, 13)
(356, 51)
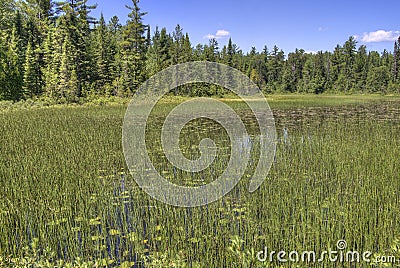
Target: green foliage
(7, 8)
(57, 50)
(242, 257)
(157, 55)
(11, 66)
(378, 79)
(32, 84)
(133, 49)
(52, 61)
(68, 85)
(393, 254)
(104, 55)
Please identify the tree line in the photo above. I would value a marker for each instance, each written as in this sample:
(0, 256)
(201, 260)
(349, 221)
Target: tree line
(57, 50)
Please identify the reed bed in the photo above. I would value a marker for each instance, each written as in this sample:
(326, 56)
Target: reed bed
(68, 200)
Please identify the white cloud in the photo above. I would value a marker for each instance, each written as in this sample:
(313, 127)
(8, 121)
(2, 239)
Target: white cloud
(322, 29)
(220, 34)
(209, 36)
(380, 36)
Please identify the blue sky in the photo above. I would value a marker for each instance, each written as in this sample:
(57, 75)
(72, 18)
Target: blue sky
(311, 25)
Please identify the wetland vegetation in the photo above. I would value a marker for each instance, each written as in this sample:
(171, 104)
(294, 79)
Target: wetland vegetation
(68, 198)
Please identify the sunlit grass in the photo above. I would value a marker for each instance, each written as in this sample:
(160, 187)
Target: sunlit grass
(66, 192)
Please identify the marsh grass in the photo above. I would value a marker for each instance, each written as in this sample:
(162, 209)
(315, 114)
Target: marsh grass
(65, 189)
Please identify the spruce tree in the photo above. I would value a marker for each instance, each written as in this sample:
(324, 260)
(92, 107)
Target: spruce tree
(103, 53)
(74, 23)
(230, 53)
(115, 38)
(114, 25)
(361, 68)
(154, 62)
(212, 50)
(31, 85)
(291, 71)
(346, 79)
(319, 79)
(133, 50)
(275, 67)
(186, 49)
(7, 8)
(51, 58)
(306, 85)
(177, 47)
(13, 67)
(378, 79)
(68, 85)
(165, 44)
(396, 61)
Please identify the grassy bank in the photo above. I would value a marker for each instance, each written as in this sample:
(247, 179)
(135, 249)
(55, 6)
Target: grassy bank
(276, 101)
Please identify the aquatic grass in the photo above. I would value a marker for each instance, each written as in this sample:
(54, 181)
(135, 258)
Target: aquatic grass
(67, 196)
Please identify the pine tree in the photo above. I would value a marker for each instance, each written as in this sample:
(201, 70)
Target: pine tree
(165, 44)
(307, 76)
(361, 68)
(39, 16)
(255, 77)
(349, 50)
(275, 67)
(32, 85)
(51, 58)
(38, 10)
(115, 38)
(198, 53)
(378, 79)
(148, 37)
(68, 85)
(7, 8)
(19, 29)
(176, 48)
(336, 66)
(114, 25)
(374, 59)
(104, 53)
(289, 77)
(74, 23)
(12, 67)
(154, 62)
(186, 49)
(230, 53)
(212, 50)
(396, 61)
(319, 79)
(223, 54)
(133, 50)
